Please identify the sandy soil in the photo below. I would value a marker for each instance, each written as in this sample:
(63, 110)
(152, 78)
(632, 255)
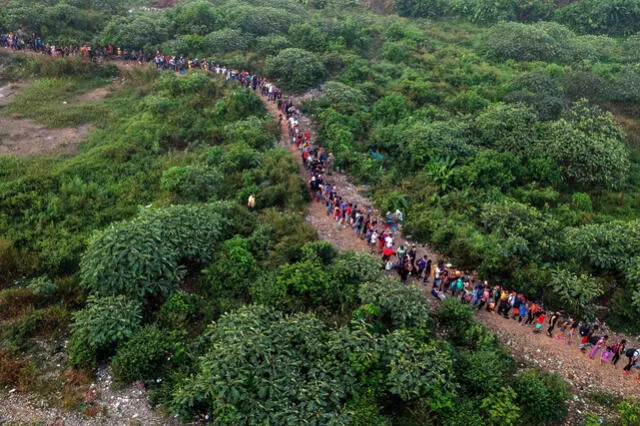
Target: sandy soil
(24, 137)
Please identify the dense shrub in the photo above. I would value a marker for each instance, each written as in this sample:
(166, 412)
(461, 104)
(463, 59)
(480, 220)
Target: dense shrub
(456, 317)
(417, 369)
(589, 147)
(615, 17)
(135, 31)
(142, 258)
(508, 128)
(396, 306)
(100, 327)
(530, 42)
(178, 312)
(232, 271)
(541, 92)
(256, 342)
(144, 354)
(482, 372)
(575, 294)
(42, 286)
(191, 183)
(542, 397)
(295, 70)
(226, 40)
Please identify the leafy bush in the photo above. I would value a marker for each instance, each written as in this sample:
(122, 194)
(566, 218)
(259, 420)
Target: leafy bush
(100, 327)
(178, 311)
(542, 397)
(615, 17)
(390, 109)
(191, 183)
(499, 408)
(417, 369)
(629, 412)
(307, 283)
(226, 40)
(482, 372)
(582, 201)
(456, 317)
(135, 31)
(589, 147)
(536, 42)
(42, 286)
(319, 251)
(574, 293)
(393, 304)
(508, 128)
(295, 70)
(540, 91)
(142, 258)
(144, 354)
(313, 377)
(233, 270)
(364, 411)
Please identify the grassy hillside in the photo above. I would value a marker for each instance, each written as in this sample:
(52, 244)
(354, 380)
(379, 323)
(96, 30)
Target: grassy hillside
(509, 137)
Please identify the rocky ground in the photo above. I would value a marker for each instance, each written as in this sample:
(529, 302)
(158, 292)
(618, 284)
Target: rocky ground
(105, 404)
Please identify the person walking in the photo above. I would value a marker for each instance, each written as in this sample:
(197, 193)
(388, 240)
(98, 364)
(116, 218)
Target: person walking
(632, 355)
(618, 350)
(552, 323)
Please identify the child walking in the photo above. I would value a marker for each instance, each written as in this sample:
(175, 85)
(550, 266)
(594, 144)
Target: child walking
(539, 321)
(601, 341)
(606, 354)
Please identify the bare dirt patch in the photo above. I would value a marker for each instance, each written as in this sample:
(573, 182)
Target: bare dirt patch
(9, 91)
(23, 137)
(94, 95)
(112, 406)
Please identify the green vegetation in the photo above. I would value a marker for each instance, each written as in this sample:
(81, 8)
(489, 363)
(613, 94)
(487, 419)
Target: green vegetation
(506, 131)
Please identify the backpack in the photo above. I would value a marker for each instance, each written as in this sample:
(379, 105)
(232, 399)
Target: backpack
(584, 330)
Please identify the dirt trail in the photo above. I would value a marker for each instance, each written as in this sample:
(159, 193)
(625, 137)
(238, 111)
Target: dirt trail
(344, 239)
(585, 375)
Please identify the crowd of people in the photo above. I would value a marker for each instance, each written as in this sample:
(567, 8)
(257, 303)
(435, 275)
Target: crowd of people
(445, 281)
(381, 237)
(20, 42)
(590, 337)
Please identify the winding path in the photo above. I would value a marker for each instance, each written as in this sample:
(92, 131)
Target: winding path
(585, 375)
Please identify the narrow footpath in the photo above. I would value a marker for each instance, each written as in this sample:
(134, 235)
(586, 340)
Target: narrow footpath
(587, 376)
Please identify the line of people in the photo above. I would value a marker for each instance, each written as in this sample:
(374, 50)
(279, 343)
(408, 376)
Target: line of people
(447, 282)
(591, 337)
(20, 42)
(381, 237)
